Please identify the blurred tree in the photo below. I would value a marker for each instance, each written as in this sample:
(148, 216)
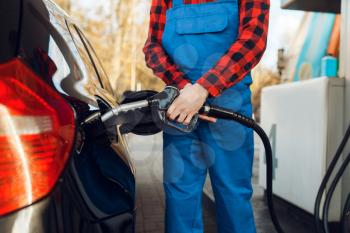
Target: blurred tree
(117, 29)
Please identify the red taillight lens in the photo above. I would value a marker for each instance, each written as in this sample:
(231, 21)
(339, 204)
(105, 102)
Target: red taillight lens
(36, 136)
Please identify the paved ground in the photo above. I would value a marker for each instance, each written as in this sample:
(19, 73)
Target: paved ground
(147, 156)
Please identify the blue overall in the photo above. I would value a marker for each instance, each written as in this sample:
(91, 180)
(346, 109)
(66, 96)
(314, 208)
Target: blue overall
(195, 37)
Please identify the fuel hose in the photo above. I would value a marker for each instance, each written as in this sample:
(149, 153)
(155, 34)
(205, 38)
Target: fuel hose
(222, 113)
(331, 192)
(324, 228)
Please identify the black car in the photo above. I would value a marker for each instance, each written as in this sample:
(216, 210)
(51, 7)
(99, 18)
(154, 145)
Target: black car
(57, 173)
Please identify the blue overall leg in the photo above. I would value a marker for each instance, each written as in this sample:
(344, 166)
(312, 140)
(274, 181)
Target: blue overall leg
(232, 171)
(183, 182)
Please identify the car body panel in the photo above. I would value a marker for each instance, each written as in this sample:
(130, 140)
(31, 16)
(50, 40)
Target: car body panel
(49, 216)
(9, 30)
(96, 191)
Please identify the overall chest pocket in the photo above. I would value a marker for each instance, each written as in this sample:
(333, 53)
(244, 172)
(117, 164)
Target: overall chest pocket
(201, 24)
(202, 40)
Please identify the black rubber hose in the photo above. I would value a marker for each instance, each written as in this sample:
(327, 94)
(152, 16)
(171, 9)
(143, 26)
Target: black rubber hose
(331, 192)
(318, 223)
(346, 212)
(223, 113)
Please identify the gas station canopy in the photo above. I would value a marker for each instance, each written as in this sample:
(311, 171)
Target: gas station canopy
(331, 6)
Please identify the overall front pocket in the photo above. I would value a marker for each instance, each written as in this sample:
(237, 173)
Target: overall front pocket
(202, 24)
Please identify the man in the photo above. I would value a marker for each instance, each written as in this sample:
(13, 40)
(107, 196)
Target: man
(207, 49)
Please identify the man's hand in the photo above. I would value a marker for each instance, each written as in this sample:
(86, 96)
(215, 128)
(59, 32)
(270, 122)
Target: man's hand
(190, 100)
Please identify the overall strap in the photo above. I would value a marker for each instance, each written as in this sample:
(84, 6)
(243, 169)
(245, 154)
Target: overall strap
(225, 0)
(177, 3)
(181, 2)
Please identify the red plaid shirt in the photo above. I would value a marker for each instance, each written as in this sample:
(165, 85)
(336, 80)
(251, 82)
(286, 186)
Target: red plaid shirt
(232, 67)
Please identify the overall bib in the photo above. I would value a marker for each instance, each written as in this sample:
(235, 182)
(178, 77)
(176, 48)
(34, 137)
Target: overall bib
(195, 37)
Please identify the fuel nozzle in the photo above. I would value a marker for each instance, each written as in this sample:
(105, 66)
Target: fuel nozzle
(160, 104)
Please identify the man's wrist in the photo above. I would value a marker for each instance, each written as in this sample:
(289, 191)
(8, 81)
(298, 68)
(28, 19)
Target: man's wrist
(204, 92)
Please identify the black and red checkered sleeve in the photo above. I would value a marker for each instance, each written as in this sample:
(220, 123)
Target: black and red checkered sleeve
(245, 52)
(156, 57)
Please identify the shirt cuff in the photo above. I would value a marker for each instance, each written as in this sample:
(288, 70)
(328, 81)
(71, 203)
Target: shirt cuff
(181, 84)
(212, 83)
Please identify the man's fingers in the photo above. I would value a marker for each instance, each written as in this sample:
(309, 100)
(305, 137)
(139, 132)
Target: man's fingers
(206, 118)
(171, 109)
(174, 114)
(182, 117)
(188, 119)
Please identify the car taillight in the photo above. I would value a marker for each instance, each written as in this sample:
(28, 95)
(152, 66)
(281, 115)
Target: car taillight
(36, 135)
